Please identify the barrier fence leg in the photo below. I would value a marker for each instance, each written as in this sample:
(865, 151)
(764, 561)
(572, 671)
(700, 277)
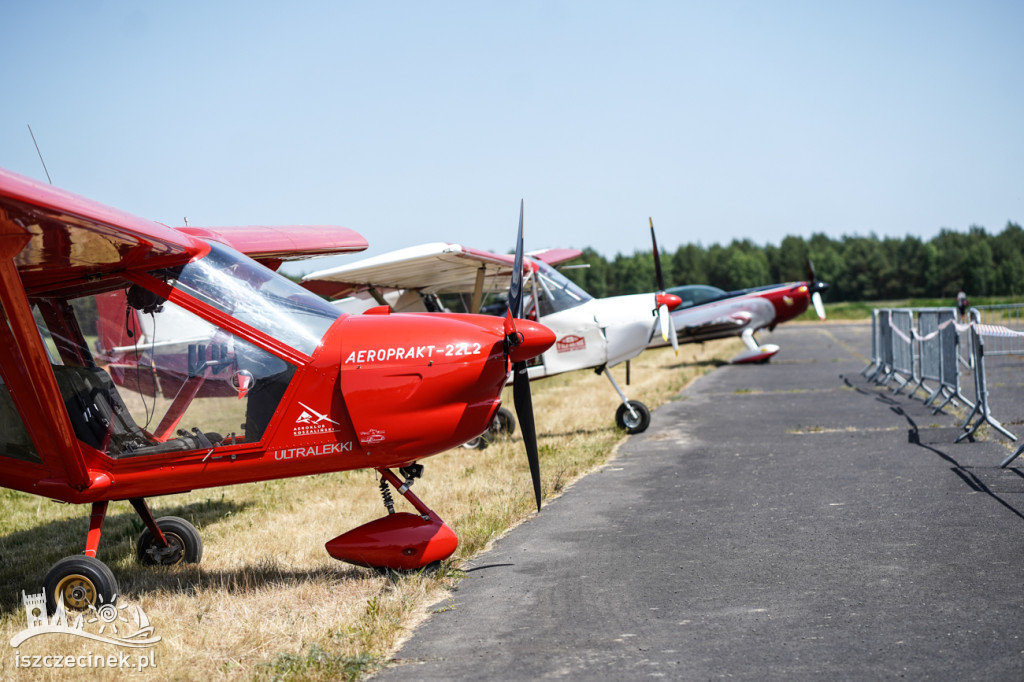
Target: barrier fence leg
(1006, 462)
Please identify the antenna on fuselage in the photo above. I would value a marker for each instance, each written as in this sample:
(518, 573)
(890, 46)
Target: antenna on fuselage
(39, 153)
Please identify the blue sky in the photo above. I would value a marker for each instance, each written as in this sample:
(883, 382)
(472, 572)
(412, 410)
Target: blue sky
(424, 121)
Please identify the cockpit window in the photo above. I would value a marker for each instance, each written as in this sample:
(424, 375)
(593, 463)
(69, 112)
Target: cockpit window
(138, 377)
(556, 291)
(258, 297)
(695, 294)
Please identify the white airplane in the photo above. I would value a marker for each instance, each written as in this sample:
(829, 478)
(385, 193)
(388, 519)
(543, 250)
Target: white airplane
(590, 333)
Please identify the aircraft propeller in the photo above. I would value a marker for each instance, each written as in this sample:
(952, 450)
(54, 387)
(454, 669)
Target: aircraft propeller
(521, 380)
(816, 287)
(668, 325)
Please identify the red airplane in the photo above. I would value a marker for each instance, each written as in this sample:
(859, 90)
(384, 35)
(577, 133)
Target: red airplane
(243, 376)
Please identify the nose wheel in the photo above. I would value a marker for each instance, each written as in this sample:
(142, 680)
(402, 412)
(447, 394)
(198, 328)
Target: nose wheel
(633, 416)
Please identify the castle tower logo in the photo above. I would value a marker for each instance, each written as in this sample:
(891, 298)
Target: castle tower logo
(125, 625)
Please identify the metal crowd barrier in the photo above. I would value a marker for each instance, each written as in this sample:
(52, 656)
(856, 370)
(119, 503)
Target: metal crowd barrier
(915, 346)
(903, 361)
(1001, 328)
(981, 408)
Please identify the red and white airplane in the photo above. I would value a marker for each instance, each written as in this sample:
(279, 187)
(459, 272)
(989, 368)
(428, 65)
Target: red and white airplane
(591, 333)
(708, 313)
(228, 373)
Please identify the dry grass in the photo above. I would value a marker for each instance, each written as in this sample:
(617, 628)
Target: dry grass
(267, 602)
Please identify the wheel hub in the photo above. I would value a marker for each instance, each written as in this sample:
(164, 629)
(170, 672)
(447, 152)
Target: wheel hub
(78, 592)
(170, 555)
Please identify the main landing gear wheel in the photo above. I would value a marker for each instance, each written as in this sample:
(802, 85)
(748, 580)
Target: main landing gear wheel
(631, 423)
(82, 580)
(478, 443)
(184, 544)
(503, 425)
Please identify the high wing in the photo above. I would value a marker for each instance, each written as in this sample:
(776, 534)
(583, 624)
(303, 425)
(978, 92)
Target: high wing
(52, 240)
(434, 268)
(273, 245)
(54, 236)
(555, 256)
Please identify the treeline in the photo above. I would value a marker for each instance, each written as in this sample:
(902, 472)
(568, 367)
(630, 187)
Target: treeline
(856, 268)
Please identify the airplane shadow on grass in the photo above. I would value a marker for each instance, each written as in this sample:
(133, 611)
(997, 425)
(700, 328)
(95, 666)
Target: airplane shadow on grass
(545, 435)
(714, 363)
(966, 474)
(27, 555)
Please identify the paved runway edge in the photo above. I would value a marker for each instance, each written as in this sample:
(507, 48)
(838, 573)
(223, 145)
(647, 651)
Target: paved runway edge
(788, 520)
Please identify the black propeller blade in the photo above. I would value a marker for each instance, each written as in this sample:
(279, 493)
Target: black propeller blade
(524, 408)
(515, 287)
(657, 258)
(521, 395)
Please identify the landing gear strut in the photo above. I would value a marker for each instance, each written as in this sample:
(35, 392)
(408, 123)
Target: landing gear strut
(400, 541)
(82, 581)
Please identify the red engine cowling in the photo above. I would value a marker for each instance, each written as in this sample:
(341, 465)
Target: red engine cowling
(418, 384)
(400, 541)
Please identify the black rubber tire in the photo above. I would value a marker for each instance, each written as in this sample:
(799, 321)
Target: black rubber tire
(478, 443)
(504, 422)
(628, 423)
(83, 580)
(183, 538)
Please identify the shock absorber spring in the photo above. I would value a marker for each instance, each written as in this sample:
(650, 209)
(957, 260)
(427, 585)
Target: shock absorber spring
(385, 493)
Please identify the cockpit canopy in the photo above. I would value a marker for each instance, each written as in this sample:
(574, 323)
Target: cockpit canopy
(555, 291)
(695, 294)
(141, 375)
(257, 296)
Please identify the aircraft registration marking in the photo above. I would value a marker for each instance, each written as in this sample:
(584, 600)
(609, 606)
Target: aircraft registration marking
(313, 451)
(450, 350)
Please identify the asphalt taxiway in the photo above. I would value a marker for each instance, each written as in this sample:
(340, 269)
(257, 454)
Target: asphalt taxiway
(781, 521)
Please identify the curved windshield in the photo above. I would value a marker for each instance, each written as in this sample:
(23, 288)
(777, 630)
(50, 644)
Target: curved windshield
(695, 294)
(258, 296)
(556, 291)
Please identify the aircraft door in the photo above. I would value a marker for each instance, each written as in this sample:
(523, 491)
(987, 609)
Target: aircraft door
(579, 341)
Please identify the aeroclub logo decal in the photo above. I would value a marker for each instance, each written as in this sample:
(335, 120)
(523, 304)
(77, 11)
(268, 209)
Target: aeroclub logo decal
(567, 344)
(787, 300)
(313, 423)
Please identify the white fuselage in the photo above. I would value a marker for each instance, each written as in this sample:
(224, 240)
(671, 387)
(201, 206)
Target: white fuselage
(604, 331)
